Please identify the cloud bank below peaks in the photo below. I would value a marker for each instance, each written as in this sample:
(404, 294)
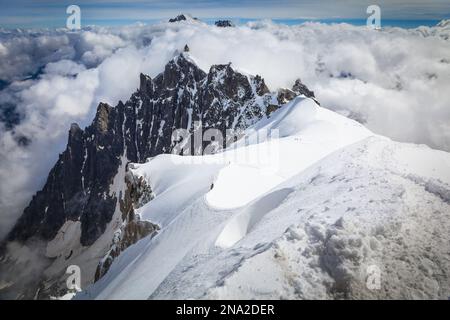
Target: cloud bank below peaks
(394, 80)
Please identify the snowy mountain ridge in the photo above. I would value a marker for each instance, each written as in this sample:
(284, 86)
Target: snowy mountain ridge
(342, 205)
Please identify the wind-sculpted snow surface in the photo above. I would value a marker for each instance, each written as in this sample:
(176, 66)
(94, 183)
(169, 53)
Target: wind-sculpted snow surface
(349, 215)
(344, 207)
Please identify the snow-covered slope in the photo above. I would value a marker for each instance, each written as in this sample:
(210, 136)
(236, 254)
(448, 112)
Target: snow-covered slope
(313, 209)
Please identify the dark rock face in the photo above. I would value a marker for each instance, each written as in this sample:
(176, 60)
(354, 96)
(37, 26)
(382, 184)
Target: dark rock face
(285, 95)
(181, 17)
(133, 229)
(81, 175)
(224, 23)
(78, 186)
(300, 88)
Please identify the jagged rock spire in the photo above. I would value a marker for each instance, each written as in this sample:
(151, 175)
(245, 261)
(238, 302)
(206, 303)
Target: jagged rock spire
(300, 88)
(145, 83)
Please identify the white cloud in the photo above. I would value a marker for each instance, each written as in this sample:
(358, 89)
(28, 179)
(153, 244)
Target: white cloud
(397, 80)
(63, 68)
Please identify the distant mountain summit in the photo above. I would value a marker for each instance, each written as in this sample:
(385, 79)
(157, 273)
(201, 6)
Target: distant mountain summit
(183, 17)
(444, 23)
(224, 23)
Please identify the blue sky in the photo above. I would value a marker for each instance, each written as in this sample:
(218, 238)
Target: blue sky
(51, 13)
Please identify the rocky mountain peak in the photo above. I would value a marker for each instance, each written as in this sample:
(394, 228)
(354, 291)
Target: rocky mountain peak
(75, 135)
(102, 117)
(181, 70)
(224, 23)
(145, 84)
(74, 129)
(285, 94)
(180, 17)
(260, 85)
(444, 23)
(183, 17)
(300, 88)
(224, 78)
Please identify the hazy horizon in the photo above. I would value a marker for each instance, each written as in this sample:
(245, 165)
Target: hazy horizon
(52, 14)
